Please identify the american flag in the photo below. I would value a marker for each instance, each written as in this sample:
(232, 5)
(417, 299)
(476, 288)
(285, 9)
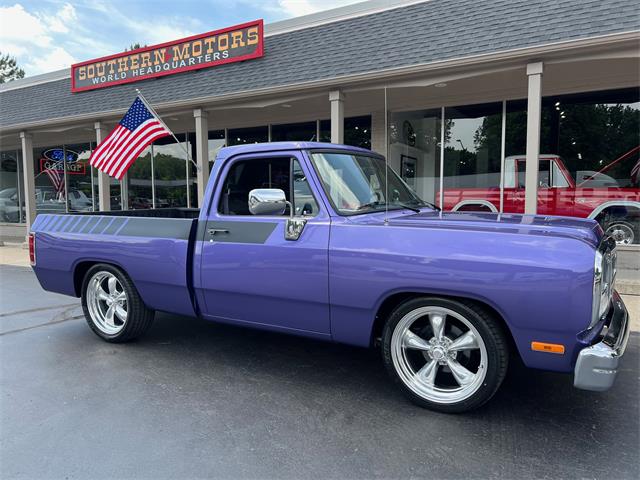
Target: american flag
(57, 180)
(137, 129)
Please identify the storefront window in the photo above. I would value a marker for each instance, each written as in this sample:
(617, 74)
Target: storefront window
(140, 178)
(217, 140)
(78, 173)
(170, 171)
(414, 150)
(240, 136)
(300, 132)
(472, 157)
(589, 159)
(357, 131)
(11, 187)
(50, 179)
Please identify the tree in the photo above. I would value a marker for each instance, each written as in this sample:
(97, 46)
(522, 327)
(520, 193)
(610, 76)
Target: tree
(9, 69)
(134, 46)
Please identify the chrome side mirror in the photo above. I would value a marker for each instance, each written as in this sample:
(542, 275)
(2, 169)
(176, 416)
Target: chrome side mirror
(273, 201)
(267, 201)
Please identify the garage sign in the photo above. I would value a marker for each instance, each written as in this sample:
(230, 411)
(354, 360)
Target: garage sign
(233, 44)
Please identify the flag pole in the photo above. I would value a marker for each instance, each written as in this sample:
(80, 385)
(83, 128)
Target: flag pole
(152, 110)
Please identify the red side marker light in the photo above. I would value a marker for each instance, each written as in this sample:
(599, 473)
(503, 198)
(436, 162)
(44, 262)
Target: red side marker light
(32, 249)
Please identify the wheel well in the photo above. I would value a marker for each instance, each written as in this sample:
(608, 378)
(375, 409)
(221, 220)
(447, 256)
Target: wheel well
(396, 299)
(81, 270)
(629, 213)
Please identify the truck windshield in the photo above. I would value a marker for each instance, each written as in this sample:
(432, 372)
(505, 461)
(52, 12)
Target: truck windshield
(356, 183)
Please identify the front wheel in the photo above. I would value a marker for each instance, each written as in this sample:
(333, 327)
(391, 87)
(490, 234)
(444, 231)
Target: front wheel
(447, 355)
(112, 306)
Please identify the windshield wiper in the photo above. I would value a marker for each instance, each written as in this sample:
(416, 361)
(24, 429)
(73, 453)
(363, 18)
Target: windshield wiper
(380, 204)
(404, 205)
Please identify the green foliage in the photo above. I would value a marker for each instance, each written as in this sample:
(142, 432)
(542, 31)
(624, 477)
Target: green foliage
(9, 69)
(134, 46)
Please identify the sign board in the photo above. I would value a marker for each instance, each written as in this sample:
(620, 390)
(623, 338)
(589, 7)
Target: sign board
(233, 44)
(54, 159)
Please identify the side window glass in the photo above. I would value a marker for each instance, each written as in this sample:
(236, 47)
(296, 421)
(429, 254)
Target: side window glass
(247, 175)
(305, 204)
(559, 180)
(543, 173)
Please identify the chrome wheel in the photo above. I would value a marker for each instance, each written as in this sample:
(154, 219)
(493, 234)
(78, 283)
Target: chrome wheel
(622, 233)
(439, 355)
(107, 302)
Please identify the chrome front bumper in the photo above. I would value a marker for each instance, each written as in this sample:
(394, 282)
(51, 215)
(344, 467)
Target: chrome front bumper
(597, 365)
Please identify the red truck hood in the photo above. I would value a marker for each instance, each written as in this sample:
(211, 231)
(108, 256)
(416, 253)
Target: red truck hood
(581, 229)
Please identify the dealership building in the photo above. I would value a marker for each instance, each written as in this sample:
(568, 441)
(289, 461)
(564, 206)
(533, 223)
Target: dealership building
(500, 105)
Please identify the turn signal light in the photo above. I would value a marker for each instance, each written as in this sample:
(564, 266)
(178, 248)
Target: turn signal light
(32, 249)
(547, 347)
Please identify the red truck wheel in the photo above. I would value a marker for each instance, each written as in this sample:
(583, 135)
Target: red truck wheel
(622, 232)
(112, 306)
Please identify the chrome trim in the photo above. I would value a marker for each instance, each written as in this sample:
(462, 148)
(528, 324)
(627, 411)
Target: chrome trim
(267, 201)
(597, 366)
(294, 228)
(604, 275)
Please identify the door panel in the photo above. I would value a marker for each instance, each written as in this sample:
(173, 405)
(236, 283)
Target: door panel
(250, 273)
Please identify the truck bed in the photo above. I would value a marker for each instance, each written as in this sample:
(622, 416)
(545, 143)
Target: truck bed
(152, 246)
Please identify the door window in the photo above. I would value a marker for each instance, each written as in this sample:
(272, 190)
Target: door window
(544, 179)
(283, 173)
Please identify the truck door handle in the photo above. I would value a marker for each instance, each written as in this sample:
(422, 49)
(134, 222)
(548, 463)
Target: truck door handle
(217, 231)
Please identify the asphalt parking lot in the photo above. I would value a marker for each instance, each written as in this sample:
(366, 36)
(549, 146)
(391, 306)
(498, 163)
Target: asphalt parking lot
(194, 399)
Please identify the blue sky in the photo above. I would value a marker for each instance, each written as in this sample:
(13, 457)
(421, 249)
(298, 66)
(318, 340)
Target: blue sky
(47, 35)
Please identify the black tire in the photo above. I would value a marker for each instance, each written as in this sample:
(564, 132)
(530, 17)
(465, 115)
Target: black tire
(139, 318)
(491, 333)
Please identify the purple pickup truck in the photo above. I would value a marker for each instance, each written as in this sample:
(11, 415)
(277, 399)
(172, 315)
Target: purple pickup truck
(323, 241)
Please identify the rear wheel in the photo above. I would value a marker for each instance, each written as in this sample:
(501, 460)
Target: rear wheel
(112, 306)
(446, 355)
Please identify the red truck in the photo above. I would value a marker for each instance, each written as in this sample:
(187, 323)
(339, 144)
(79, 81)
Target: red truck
(597, 195)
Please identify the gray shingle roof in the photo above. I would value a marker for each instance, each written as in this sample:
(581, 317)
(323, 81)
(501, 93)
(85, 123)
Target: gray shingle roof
(420, 33)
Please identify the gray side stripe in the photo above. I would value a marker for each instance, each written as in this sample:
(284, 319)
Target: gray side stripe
(157, 227)
(115, 225)
(240, 232)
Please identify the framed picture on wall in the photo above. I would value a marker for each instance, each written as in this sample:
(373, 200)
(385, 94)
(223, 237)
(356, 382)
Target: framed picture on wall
(408, 170)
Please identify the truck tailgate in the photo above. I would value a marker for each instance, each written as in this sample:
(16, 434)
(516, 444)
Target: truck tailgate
(154, 252)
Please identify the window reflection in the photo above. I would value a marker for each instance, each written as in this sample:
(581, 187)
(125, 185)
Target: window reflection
(11, 187)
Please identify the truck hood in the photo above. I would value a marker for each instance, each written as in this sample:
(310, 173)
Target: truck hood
(581, 229)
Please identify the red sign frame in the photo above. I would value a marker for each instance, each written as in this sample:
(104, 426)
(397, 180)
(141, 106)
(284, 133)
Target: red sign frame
(258, 52)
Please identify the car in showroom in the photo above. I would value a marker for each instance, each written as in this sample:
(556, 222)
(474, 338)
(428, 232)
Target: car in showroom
(595, 195)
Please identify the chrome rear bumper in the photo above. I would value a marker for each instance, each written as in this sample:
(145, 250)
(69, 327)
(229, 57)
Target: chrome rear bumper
(597, 365)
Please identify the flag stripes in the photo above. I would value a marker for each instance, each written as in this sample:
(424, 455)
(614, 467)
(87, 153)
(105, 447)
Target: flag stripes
(137, 129)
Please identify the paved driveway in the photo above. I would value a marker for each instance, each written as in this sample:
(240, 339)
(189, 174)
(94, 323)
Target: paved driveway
(194, 399)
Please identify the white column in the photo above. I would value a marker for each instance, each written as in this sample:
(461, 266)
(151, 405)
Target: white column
(104, 183)
(124, 192)
(336, 97)
(29, 178)
(202, 152)
(534, 106)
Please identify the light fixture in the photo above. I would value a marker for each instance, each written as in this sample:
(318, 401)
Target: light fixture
(174, 119)
(557, 104)
(286, 105)
(440, 85)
